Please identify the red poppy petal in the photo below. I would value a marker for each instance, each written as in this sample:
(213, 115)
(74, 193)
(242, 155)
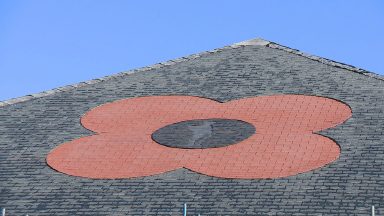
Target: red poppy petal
(146, 113)
(267, 157)
(291, 113)
(106, 157)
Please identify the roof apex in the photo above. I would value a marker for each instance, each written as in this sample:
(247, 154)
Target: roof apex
(253, 42)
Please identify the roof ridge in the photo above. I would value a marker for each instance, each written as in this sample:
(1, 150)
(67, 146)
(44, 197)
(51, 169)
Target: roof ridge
(252, 42)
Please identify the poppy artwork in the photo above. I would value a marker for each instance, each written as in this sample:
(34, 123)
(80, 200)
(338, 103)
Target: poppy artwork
(270, 136)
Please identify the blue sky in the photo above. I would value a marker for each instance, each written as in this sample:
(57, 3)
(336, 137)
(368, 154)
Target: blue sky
(50, 43)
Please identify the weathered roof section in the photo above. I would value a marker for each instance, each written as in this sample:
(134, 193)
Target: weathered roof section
(252, 42)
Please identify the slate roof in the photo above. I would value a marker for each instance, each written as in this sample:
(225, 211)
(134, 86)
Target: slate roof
(31, 126)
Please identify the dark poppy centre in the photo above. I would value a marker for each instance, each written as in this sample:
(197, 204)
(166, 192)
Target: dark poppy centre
(203, 133)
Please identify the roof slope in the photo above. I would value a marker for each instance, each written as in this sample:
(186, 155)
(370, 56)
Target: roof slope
(31, 126)
(252, 42)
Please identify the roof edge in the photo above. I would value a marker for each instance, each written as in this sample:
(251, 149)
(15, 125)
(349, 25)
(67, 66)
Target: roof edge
(251, 42)
(113, 76)
(325, 61)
